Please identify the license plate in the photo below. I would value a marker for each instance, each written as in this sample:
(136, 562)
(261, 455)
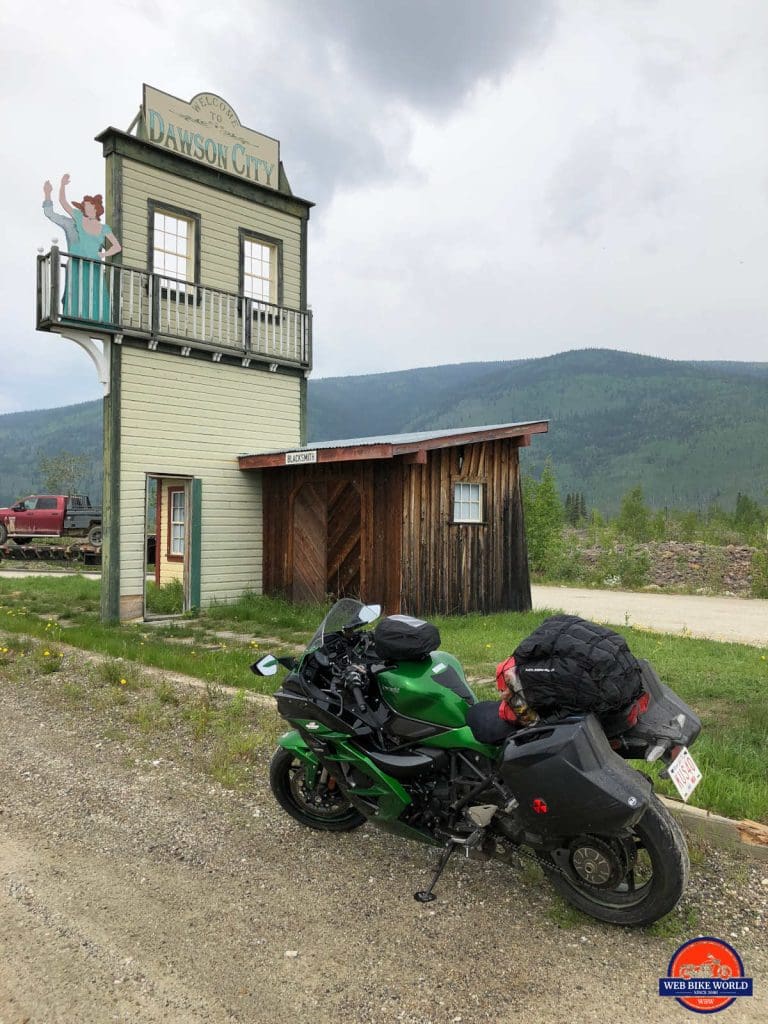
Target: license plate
(685, 773)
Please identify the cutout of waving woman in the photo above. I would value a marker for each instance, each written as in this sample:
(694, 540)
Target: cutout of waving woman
(86, 296)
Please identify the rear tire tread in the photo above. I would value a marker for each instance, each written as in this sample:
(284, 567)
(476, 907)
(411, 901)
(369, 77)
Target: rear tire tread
(665, 844)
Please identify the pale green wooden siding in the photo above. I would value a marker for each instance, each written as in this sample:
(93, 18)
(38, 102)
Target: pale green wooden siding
(188, 417)
(221, 215)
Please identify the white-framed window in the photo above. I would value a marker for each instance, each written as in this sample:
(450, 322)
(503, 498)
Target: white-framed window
(467, 503)
(177, 521)
(259, 270)
(173, 247)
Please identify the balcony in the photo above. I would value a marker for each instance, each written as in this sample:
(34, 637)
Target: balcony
(102, 298)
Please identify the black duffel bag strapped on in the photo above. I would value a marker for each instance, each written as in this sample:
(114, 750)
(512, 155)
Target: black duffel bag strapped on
(571, 665)
(403, 638)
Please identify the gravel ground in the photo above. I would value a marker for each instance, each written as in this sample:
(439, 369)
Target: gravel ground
(135, 888)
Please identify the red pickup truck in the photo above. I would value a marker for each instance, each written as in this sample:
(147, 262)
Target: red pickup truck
(51, 515)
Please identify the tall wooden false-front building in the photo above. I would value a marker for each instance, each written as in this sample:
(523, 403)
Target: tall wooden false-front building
(202, 336)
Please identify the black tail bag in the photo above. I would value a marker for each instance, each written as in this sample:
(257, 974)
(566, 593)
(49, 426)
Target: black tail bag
(570, 665)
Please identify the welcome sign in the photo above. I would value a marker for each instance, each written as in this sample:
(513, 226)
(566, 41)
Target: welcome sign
(208, 131)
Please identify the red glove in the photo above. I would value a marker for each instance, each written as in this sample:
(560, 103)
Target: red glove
(501, 668)
(507, 714)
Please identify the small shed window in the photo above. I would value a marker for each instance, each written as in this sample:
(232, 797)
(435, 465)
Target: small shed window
(467, 503)
(176, 522)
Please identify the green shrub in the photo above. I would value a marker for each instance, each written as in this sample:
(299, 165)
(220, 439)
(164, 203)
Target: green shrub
(623, 565)
(760, 573)
(165, 600)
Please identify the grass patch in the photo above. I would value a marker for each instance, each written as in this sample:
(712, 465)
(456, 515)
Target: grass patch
(565, 916)
(219, 662)
(681, 923)
(167, 599)
(267, 615)
(725, 683)
(47, 659)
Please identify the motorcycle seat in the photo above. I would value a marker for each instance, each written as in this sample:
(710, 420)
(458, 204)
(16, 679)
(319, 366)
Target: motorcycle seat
(483, 719)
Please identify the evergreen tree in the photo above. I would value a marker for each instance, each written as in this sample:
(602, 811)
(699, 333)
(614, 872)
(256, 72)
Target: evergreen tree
(749, 518)
(634, 518)
(544, 515)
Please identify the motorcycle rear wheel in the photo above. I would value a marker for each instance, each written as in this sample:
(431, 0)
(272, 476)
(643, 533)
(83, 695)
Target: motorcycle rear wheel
(653, 885)
(321, 806)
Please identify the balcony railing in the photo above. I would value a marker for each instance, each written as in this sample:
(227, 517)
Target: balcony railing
(76, 292)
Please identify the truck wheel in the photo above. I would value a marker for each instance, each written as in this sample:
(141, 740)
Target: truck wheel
(3, 533)
(22, 540)
(94, 536)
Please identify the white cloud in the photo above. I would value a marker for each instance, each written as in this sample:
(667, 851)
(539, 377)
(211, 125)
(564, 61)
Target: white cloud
(598, 179)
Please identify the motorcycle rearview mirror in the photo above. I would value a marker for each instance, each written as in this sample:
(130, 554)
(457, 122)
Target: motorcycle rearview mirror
(266, 666)
(369, 613)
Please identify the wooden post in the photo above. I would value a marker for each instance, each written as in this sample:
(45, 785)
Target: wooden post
(55, 258)
(195, 557)
(110, 514)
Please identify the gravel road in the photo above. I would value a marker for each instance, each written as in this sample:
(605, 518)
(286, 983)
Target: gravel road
(137, 889)
(741, 620)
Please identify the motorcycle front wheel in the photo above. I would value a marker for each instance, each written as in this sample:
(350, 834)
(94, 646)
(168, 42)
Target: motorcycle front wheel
(319, 804)
(630, 881)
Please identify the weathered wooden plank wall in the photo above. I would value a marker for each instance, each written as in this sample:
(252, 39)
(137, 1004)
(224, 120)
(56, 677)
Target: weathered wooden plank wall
(462, 567)
(389, 534)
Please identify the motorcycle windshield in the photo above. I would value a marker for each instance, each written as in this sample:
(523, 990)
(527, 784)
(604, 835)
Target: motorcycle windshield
(343, 613)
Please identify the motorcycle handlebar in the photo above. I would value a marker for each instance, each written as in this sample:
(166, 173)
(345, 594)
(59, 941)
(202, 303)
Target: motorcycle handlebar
(352, 681)
(357, 693)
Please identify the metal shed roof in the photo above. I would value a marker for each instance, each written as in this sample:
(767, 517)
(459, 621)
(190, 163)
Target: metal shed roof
(387, 446)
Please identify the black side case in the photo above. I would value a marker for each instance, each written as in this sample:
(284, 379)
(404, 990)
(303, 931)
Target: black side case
(569, 782)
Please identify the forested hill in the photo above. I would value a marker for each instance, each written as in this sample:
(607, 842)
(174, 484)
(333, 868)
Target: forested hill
(689, 432)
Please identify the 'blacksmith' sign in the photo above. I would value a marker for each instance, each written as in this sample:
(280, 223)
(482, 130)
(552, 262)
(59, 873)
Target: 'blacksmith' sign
(208, 131)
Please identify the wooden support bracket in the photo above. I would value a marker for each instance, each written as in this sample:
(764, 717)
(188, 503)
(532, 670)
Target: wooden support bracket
(417, 458)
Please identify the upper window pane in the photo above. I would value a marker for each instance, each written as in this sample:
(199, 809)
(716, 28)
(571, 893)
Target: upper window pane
(172, 240)
(259, 270)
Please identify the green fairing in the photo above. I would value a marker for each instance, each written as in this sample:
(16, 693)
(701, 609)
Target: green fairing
(461, 739)
(415, 691)
(391, 796)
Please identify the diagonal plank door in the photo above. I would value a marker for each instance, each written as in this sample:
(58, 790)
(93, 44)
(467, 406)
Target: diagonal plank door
(344, 529)
(309, 542)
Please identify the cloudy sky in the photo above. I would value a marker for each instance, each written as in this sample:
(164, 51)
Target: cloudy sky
(496, 179)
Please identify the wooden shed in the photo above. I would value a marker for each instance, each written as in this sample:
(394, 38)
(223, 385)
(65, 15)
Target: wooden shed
(422, 523)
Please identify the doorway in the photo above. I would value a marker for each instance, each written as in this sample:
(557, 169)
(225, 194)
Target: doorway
(170, 555)
(327, 541)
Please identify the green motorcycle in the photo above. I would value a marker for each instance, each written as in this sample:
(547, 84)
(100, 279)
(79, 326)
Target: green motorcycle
(387, 730)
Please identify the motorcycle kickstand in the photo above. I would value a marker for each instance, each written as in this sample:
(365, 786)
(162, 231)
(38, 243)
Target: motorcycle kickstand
(426, 895)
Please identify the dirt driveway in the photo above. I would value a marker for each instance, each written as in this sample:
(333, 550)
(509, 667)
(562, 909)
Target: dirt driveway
(135, 888)
(742, 620)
